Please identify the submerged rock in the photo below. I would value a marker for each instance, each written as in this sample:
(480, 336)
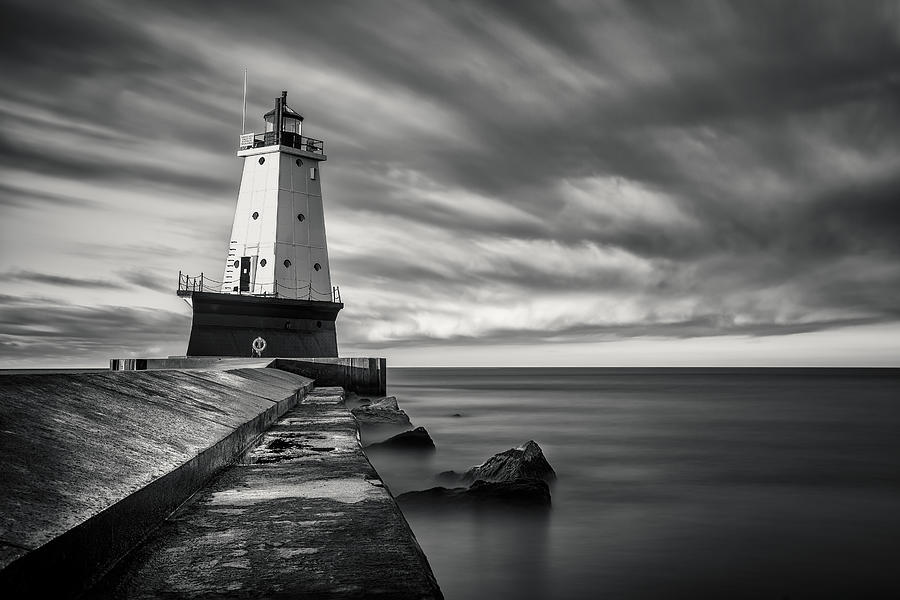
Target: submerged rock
(383, 412)
(532, 493)
(525, 462)
(416, 439)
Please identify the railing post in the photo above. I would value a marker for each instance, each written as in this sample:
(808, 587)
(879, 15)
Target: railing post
(201, 281)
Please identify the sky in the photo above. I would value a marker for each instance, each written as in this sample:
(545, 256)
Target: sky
(508, 183)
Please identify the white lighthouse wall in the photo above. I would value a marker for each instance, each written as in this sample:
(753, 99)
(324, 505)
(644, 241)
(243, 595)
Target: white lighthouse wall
(279, 190)
(249, 236)
(302, 242)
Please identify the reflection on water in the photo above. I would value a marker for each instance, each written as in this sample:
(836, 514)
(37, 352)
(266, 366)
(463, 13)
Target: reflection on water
(498, 545)
(672, 483)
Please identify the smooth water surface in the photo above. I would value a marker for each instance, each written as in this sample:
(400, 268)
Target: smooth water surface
(673, 483)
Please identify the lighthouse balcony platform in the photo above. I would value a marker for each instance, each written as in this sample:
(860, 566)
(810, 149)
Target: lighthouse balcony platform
(291, 140)
(188, 285)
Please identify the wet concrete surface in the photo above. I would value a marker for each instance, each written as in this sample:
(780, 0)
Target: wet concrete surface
(94, 461)
(303, 515)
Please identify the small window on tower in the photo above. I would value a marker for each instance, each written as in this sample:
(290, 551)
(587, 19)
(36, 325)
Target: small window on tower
(299, 162)
(317, 267)
(237, 263)
(312, 172)
(262, 263)
(287, 264)
(262, 159)
(255, 215)
(300, 217)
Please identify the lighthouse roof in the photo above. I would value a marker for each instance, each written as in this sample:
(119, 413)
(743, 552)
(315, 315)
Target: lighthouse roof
(287, 112)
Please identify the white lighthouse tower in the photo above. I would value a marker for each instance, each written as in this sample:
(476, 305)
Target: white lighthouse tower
(276, 297)
(278, 245)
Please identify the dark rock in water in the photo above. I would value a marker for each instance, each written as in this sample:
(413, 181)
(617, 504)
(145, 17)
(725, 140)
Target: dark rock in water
(387, 403)
(383, 412)
(516, 477)
(417, 439)
(521, 492)
(525, 462)
(456, 415)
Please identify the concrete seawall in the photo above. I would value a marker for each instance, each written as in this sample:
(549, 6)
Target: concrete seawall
(94, 464)
(366, 376)
(360, 375)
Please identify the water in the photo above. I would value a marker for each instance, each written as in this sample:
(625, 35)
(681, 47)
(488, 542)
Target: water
(673, 483)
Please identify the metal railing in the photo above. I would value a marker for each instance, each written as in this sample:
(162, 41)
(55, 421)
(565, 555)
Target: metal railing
(189, 284)
(293, 140)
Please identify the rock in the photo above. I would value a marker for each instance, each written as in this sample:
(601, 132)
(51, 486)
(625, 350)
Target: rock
(387, 403)
(417, 439)
(521, 492)
(456, 415)
(525, 462)
(383, 412)
(532, 493)
(516, 477)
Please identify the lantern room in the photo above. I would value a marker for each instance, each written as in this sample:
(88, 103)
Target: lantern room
(290, 120)
(284, 127)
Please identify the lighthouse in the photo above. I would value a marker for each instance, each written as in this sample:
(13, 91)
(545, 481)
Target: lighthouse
(275, 296)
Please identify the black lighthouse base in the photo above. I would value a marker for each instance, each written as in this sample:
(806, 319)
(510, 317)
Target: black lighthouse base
(228, 324)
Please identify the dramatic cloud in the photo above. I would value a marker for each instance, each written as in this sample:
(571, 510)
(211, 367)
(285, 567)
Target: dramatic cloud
(527, 174)
(59, 280)
(48, 331)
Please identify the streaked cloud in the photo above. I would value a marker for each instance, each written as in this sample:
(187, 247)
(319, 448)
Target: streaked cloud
(39, 331)
(499, 174)
(59, 280)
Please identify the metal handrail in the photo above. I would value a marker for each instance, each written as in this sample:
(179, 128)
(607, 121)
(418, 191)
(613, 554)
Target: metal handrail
(189, 284)
(292, 140)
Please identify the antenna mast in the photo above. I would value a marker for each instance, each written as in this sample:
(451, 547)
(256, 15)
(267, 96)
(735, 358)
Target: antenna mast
(244, 113)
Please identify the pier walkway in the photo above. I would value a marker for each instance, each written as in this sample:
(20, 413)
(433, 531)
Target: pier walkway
(302, 515)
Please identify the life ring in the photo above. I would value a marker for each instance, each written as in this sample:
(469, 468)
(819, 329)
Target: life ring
(259, 344)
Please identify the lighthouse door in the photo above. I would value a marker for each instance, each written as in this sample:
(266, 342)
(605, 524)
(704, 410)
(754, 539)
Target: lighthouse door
(245, 273)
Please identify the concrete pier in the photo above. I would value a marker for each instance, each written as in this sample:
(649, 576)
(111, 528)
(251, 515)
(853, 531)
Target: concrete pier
(360, 375)
(95, 466)
(303, 515)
